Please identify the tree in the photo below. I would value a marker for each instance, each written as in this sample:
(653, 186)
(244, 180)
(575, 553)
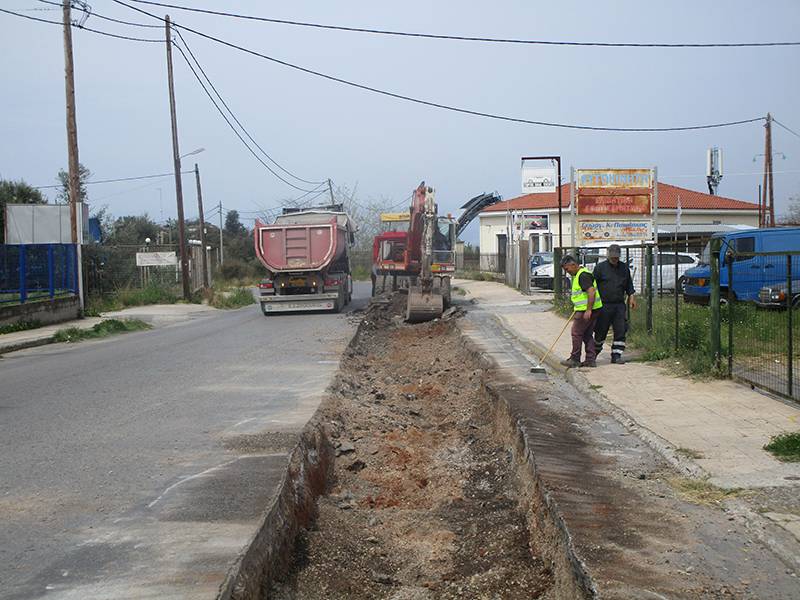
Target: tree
(133, 231)
(16, 192)
(233, 226)
(792, 215)
(84, 175)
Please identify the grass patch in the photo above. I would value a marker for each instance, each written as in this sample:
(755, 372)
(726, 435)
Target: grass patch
(127, 297)
(689, 453)
(476, 275)
(785, 446)
(235, 298)
(361, 273)
(595, 387)
(102, 329)
(21, 326)
(459, 291)
(700, 491)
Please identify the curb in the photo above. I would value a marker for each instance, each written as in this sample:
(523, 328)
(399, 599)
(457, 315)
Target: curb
(579, 381)
(13, 347)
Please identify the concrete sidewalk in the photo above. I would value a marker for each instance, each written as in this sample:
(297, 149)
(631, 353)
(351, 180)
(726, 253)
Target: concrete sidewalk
(713, 427)
(155, 315)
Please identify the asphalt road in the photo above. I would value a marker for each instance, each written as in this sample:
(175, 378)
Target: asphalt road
(124, 467)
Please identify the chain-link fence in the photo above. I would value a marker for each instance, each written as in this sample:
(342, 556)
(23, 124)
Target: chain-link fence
(31, 272)
(736, 314)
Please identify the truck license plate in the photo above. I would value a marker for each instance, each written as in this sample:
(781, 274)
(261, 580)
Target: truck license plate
(297, 281)
(289, 306)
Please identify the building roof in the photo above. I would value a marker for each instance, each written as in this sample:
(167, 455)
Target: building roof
(667, 199)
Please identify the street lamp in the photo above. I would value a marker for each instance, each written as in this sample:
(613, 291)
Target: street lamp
(193, 152)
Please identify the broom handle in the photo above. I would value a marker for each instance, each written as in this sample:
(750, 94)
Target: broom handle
(550, 349)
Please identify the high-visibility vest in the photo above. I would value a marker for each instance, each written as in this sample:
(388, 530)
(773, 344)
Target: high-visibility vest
(580, 299)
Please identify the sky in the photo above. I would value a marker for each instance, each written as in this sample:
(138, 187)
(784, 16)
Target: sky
(383, 147)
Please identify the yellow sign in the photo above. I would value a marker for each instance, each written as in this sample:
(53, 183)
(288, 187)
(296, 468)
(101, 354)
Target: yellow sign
(614, 178)
(394, 217)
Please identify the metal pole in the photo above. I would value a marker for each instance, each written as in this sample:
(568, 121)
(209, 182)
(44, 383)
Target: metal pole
(221, 251)
(558, 178)
(715, 313)
(72, 144)
(789, 319)
(202, 226)
(677, 319)
(330, 190)
(177, 162)
(557, 276)
(649, 273)
(572, 206)
(730, 318)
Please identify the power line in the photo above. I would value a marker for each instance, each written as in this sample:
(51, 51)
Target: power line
(45, 187)
(238, 122)
(464, 38)
(228, 121)
(440, 105)
(774, 120)
(83, 28)
(92, 13)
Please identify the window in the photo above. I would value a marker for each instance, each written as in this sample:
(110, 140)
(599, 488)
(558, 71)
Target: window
(665, 258)
(745, 245)
(685, 260)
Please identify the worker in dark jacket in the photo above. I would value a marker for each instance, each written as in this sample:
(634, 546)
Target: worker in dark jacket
(615, 283)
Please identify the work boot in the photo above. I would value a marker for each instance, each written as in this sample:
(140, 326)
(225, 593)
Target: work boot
(589, 363)
(570, 363)
(616, 359)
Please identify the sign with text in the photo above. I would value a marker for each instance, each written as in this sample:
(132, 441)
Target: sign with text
(614, 178)
(615, 230)
(628, 204)
(156, 259)
(538, 180)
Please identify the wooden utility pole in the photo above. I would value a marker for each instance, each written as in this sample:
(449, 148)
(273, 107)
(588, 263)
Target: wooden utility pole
(767, 194)
(74, 185)
(187, 292)
(330, 190)
(202, 225)
(221, 251)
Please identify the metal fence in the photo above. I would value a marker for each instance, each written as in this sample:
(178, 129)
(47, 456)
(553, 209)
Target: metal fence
(108, 269)
(30, 272)
(742, 319)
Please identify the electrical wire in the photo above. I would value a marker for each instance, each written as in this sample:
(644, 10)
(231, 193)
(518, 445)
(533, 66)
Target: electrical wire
(45, 187)
(238, 122)
(438, 104)
(92, 13)
(228, 121)
(785, 127)
(463, 38)
(82, 28)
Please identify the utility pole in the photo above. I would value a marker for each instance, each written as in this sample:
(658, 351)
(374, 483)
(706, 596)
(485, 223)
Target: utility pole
(202, 225)
(72, 145)
(330, 189)
(221, 252)
(768, 201)
(177, 160)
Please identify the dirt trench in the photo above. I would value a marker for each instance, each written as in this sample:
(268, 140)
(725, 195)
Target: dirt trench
(423, 502)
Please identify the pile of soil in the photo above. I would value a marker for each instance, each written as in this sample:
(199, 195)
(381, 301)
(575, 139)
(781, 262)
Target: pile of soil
(423, 503)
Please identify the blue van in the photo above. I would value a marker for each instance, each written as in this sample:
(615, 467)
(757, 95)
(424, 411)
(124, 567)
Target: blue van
(750, 273)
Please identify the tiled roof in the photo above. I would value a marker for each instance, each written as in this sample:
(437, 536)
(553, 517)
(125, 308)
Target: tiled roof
(667, 198)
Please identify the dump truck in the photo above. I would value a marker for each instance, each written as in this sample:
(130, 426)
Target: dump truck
(307, 256)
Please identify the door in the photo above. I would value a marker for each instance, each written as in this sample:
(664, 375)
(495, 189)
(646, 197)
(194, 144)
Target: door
(502, 250)
(748, 270)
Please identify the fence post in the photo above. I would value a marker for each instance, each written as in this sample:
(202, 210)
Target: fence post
(649, 283)
(23, 274)
(557, 279)
(730, 318)
(714, 301)
(51, 276)
(789, 311)
(677, 319)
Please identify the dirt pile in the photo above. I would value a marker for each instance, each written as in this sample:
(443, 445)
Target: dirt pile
(423, 503)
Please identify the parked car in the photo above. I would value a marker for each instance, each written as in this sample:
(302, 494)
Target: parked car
(750, 273)
(540, 258)
(777, 296)
(664, 272)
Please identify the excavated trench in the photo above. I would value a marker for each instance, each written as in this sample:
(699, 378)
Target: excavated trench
(427, 498)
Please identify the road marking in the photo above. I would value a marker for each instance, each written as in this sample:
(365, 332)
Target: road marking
(243, 421)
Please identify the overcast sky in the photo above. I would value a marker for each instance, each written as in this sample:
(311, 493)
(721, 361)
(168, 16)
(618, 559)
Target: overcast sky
(319, 129)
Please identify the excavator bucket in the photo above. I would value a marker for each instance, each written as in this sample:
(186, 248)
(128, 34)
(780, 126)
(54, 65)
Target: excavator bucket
(423, 305)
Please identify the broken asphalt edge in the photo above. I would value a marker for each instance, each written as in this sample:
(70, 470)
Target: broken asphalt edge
(574, 377)
(572, 577)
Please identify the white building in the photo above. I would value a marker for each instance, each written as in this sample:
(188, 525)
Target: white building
(536, 217)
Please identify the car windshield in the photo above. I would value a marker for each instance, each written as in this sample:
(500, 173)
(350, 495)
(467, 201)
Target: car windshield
(542, 258)
(705, 255)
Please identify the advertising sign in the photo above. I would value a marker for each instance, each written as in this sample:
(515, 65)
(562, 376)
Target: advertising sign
(591, 231)
(156, 259)
(535, 222)
(590, 204)
(614, 178)
(538, 180)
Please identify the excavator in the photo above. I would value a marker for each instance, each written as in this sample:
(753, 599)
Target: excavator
(418, 248)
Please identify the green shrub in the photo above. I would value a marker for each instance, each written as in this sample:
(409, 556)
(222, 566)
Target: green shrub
(235, 298)
(102, 329)
(785, 446)
(20, 326)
